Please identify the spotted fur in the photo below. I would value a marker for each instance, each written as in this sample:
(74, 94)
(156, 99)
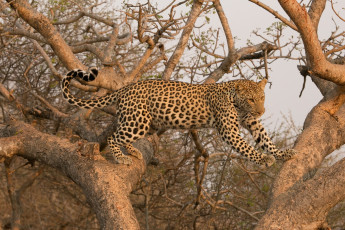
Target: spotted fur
(156, 104)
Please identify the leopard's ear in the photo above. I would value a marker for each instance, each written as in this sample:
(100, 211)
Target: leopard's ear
(262, 83)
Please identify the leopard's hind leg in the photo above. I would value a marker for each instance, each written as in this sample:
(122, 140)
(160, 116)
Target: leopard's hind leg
(133, 151)
(119, 157)
(127, 132)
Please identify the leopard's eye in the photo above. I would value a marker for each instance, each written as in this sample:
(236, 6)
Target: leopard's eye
(251, 100)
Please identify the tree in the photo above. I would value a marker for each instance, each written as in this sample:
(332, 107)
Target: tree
(39, 41)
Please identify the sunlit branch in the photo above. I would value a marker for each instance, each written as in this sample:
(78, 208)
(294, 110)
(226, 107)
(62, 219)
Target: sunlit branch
(175, 57)
(225, 25)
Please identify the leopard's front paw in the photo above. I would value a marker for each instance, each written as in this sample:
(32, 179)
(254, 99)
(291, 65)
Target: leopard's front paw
(267, 161)
(288, 154)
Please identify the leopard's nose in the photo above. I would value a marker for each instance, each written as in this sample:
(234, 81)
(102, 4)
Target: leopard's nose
(261, 111)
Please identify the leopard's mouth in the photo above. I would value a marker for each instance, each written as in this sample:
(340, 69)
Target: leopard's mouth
(257, 114)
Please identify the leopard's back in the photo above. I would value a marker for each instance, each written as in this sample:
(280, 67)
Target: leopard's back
(169, 104)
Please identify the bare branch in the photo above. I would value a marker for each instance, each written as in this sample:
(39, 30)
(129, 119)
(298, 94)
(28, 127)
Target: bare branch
(70, 20)
(319, 66)
(152, 64)
(206, 50)
(52, 108)
(225, 25)
(175, 57)
(201, 152)
(141, 29)
(336, 12)
(108, 50)
(23, 32)
(140, 65)
(87, 47)
(48, 31)
(231, 59)
(275, 13)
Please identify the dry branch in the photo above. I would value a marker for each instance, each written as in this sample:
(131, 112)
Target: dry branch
(275, 13)
(105, 184)
(289, 185)
(175, 57)
(242, 53)
(318, 64)
(47, 30)
(306, 204)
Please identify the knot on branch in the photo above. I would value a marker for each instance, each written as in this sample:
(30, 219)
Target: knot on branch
(303, 70)
(89, 149)
(256, 51)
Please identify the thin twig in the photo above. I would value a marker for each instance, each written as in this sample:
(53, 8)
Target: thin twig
(336, 12)
(275, 13)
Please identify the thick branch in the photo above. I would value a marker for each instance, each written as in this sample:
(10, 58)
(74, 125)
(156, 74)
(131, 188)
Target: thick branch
(318, 63)
(88, 47)
(323, 133)
(306, 205)
(196, 8)
(319, 125)
(42, 24)
(316, 9)
(106, 185)
(225, 25)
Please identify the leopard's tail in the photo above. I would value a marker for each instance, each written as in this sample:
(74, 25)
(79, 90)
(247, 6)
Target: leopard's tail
(86, 76)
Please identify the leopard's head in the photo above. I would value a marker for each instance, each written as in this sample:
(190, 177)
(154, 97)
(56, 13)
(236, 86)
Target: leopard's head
(250, 97)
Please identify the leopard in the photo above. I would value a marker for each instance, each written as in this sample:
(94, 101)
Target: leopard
(151, 105)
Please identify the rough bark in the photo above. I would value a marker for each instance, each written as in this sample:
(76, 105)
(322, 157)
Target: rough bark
(235, 56)
(306, 204)
(319, 125)
(106, 185)
(290, 194)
